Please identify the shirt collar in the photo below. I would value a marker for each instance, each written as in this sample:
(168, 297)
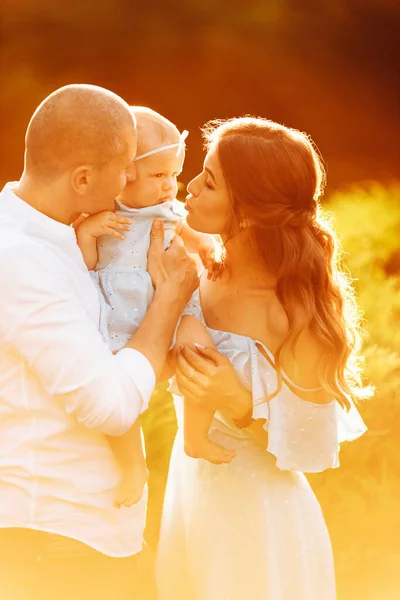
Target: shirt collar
(13, 205)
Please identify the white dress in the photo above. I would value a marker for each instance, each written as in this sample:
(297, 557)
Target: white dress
(121, 276)
(253, 529)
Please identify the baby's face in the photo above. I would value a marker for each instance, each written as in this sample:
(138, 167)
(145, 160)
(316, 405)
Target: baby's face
(156, 180)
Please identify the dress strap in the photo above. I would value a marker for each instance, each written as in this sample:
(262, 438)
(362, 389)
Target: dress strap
(270, 358)
(291, 383)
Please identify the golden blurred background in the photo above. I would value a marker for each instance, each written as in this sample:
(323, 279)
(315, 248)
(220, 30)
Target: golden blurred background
(324, 66)
(328, 67)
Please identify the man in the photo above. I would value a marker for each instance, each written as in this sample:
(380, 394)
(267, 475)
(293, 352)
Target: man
(61, 389)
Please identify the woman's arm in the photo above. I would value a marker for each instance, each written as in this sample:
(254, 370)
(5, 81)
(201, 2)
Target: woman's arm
(216, 386)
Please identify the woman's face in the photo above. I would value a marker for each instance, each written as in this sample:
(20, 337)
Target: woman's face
(208, 201)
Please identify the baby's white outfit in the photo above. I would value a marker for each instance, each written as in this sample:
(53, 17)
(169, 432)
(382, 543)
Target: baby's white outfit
(121, 276)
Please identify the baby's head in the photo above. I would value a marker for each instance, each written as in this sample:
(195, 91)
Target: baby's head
(156, 171)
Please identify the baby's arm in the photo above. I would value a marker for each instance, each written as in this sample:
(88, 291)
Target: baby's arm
(94, 226)
(88, 247)
(194, 240)
(189, 332)
(206, 246)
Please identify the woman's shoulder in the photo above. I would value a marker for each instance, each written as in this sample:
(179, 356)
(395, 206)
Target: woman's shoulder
(300, 358)
(301, 362)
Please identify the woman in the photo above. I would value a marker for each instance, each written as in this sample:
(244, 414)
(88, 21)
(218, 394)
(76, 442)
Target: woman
(285, 324)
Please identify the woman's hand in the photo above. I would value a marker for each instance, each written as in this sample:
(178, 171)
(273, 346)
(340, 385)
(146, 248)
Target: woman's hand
(207, 377)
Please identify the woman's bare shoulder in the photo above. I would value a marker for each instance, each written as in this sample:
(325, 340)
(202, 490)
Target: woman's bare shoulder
(301, 359)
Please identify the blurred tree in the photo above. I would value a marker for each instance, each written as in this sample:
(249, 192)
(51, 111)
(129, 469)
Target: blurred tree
(329, 68)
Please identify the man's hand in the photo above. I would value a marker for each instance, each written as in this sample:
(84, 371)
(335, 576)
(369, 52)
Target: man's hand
(174, 277)
(172, 268)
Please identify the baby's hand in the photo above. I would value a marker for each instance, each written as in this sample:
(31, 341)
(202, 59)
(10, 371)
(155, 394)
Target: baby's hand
(212, 255)
(103, 223)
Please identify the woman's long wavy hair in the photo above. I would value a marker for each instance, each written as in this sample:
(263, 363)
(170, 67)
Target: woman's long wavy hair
(276, 179)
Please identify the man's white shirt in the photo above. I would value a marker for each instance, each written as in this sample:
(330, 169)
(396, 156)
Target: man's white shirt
(61, 390)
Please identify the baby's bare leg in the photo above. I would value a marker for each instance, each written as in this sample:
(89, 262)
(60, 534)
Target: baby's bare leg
(197, 443)
(129, 453)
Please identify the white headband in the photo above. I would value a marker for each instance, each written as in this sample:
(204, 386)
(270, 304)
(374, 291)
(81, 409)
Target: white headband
(180, 145)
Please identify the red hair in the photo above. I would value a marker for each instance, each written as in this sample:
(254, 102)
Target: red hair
(276, 178)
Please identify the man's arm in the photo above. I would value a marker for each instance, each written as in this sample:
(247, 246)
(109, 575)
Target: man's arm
(45, 323)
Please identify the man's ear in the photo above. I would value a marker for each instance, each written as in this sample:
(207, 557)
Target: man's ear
(81, 179)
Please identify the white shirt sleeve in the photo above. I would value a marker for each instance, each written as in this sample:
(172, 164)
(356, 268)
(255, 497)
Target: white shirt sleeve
(45, 322)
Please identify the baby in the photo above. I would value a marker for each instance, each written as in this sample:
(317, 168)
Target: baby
(118, 263)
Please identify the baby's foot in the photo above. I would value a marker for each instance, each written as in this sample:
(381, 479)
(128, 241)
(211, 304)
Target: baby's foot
(132, 485)
(205, 448)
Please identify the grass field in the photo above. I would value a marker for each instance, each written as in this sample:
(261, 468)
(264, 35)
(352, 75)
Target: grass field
(361, 500)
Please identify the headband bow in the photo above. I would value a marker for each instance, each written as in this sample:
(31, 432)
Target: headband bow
(181, 145)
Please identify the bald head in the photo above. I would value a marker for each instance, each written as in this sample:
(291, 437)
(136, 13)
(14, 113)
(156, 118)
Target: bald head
(77, 124)
(153, 130)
